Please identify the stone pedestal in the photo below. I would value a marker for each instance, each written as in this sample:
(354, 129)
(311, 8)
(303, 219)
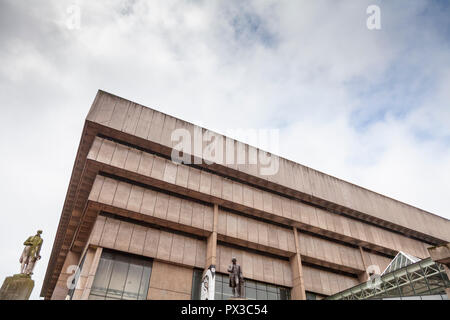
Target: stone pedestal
(17, 287)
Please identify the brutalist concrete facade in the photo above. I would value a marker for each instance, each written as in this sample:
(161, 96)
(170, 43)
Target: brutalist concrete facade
(297, 228)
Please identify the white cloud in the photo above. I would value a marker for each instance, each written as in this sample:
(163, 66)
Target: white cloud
(311, 69)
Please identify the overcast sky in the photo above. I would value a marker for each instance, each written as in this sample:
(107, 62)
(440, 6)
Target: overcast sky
(368, 106)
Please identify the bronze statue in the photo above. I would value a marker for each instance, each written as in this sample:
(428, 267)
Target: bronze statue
(235, 278)
(31, 253)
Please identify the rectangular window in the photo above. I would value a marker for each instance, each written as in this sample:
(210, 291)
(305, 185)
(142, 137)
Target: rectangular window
(253, 290)
(196, 284)
(121, 277)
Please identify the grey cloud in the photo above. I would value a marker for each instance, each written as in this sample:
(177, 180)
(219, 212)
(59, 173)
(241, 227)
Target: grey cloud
(295, 65)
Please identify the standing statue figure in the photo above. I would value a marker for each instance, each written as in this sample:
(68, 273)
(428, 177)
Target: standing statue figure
(31, 253)
(235, 278)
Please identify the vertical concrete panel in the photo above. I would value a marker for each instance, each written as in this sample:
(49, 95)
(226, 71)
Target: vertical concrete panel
(138, 239)
(119, 156)
(231, 225)
(186, 212)
(108, 190)
(242, 229)
(119, 114)
(253, 231)
(237, 193)
(132, 118)
(96, 188)
(222, 223)
(197, 215)
(162, 203)
(227, 190)
(109, 235)
(151, 243)
(148, 203)
(145, 164)
(257, 199)
(97, 230)
(156, 127)
(124, 236)
(158, 168)
(194, 179)
(190, 251)
(267, 202)
(182, 176)
(135, 199)
(263, 234)
(200, 258)
(258, 268)
(247, 196)
(176, 254)
(143, 125)
(165, 245)
(170, 172)
(273, 236)
(95, 148)
(247, 265)
(268, 269)
(205, 182)
(216, 186)
(133, 160)
(208, 218)
(173, 211)
(104, 109)
(106, 151)
(122, 195)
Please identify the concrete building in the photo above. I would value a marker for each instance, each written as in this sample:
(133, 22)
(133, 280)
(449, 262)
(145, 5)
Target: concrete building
(141, 226)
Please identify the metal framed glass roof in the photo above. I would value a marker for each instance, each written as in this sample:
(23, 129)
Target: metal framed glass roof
(400, 260)
(420, 279)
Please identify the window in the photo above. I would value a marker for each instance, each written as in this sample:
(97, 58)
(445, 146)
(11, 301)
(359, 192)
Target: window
(253, 290)
(196, 284)
(310, 296)
(121, 277)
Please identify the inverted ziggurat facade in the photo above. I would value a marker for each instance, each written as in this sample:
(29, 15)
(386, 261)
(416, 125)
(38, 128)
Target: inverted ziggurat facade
(141, 226)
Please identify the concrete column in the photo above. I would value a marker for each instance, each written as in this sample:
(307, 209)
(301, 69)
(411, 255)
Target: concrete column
(211, 242)
(363, 276)
(61, 288)
(298, 286)
(88, 273)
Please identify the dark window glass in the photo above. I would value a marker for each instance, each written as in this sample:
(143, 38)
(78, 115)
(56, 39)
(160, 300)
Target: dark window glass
(310, 296)
(272, 296)
(121, 277)
(254, 290)
(196, 284)
(250, 293)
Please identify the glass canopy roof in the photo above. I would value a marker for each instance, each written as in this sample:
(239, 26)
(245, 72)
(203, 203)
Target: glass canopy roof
(402, 279)
(400, 260)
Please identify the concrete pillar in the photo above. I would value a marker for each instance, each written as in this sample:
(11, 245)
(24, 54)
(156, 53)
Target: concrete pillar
(363, 276)
(87, 273)
(298, 285)
(211, 242)
(61, 288)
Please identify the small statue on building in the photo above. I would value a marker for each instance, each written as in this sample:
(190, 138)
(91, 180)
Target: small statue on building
(236, 278)
(31, 253)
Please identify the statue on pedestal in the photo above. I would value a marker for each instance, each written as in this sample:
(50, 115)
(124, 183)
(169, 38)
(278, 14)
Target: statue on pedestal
(235, 278)
(31, 253)
(20, 286)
